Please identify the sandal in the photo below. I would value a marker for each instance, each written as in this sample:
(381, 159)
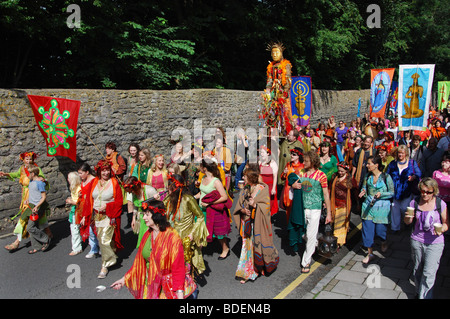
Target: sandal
(45, 246)
(306, 269)
(33, 251)
(12, 247)
(103, 273)
(74, 253)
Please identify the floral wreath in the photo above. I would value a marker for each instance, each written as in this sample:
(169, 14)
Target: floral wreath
(264, 147)
(344, 165)
(146, 206)
(104, 164)
(133, 184)
(33, 156)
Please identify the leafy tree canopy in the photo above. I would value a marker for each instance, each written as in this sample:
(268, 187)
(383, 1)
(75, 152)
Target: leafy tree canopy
(175, 44)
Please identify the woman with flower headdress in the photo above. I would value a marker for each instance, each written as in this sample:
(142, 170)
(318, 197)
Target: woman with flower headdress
(23, 174)
(186, 217)
(103, 205)
(159, 270)
(341, 201)
(389, 142)
(386, 158)
(139, 192)
(157, 176)
(269, 172)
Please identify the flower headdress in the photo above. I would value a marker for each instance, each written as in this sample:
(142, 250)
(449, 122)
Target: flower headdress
(273, 45)
(153, 209)
(175, 182)
(33, 155)
(264, 147)
(133, 184)
(296, 150)
(344, 165)
(381, 148)
(103, 164)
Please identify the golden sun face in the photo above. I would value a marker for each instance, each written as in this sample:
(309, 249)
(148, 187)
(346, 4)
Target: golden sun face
(277, 55)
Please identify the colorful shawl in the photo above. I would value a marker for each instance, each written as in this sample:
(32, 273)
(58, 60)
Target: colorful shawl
(266, 256)
(217, 221)
(146, 277)
(113, 210)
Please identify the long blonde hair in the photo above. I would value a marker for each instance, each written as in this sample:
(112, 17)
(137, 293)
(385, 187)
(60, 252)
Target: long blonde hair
(153, 168)
(74, 181)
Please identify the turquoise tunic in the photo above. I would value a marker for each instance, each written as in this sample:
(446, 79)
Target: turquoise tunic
(380, 212)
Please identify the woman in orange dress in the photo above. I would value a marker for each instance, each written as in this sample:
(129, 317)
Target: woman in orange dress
(159, 270)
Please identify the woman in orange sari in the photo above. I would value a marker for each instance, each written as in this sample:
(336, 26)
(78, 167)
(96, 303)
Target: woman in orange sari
(158, 270)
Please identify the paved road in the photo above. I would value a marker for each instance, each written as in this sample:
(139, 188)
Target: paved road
(51, 274)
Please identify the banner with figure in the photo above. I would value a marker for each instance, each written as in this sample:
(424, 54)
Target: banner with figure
(414, 96)
(393, 99)
(380, 87)
(443, 94)
(57, 120)
(301, 99)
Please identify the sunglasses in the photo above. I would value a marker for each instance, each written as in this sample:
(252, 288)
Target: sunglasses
(294, 154)
(426, 192)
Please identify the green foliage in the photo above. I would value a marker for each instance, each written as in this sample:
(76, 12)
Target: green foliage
(173, 44)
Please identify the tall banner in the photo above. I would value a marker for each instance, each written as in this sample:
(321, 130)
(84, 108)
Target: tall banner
(359, 108)
(301, 98)
(57, 120)
(393, 99)
(443, 94)
(414, 96)
(380, 86)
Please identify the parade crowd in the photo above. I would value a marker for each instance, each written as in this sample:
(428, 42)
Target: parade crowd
(394, 180)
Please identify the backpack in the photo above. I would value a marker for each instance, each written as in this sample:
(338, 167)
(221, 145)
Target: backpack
(416, 206)
(384, 179)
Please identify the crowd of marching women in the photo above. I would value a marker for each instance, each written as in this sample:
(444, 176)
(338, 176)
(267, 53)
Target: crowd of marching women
(394, 180)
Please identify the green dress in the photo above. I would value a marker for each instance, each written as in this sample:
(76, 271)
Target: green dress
(140, 172)
(149, 192)
(330, 167)
(296, 224)
(204, 190)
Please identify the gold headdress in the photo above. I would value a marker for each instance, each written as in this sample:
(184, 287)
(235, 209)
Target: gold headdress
(273, 45)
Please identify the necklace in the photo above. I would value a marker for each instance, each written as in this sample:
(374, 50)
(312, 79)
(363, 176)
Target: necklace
(402, 163)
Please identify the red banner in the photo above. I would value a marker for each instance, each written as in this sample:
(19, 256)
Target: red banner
(57, 119)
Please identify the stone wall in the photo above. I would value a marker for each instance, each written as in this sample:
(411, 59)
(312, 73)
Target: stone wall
(144, 116)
